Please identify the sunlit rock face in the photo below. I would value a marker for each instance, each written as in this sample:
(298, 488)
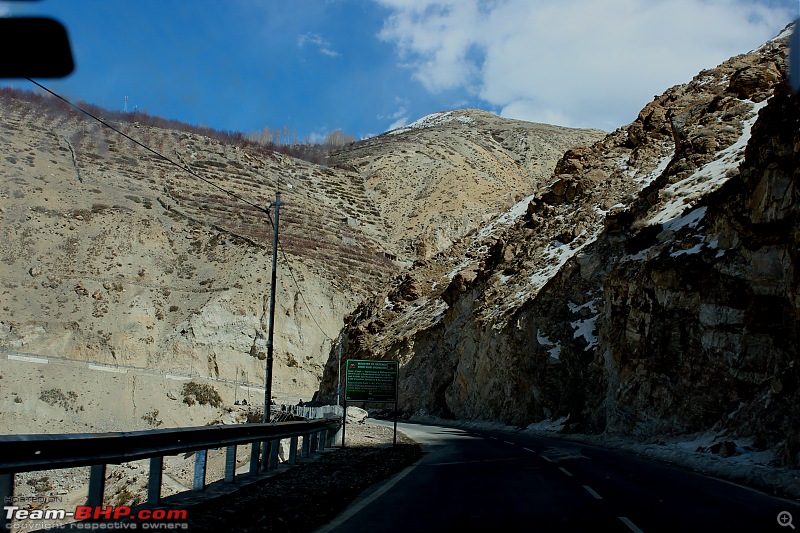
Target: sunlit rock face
(650, 288)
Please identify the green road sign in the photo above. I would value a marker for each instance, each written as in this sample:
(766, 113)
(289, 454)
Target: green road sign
(371, 381)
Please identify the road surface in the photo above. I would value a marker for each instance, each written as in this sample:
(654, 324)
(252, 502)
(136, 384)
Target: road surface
(474, 480)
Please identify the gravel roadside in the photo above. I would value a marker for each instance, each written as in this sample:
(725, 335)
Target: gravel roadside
(310, 494)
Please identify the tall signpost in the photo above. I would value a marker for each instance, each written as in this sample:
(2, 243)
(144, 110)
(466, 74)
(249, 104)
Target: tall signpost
(268, 387)
(371, 381)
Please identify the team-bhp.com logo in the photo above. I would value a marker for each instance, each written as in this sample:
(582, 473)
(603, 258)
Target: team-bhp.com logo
(91, 517)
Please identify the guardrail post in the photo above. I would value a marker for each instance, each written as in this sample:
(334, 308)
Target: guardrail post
(6, 492)
(200, 460)
(255, 450)
(154, 480)
(230, 464)
(313, 440)
(321, 439)
(274, 449)
(293, 450)
(97, 485)
(265, 446)
(306, 450)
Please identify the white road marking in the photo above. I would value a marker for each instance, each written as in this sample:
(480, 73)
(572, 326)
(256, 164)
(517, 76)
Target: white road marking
(177, 378)
(511, 443)
(630, 525)
(475, 461)
(547, 459)
(357, 506)
(528, 450)
(565, 471)
(27, 359)
(592, 492)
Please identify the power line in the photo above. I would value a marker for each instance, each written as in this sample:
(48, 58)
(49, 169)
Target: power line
(201, 178)
(310, 313)
(162, 156)
(297, 285)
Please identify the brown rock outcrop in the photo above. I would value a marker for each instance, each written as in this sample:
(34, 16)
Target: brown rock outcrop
(661, 298)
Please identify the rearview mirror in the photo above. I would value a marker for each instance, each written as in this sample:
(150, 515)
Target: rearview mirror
(34, 47)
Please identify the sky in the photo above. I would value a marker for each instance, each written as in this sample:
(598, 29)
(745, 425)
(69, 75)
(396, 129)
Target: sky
(368, 66)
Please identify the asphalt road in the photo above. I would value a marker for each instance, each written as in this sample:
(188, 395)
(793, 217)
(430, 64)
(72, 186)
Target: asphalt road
(472, 480)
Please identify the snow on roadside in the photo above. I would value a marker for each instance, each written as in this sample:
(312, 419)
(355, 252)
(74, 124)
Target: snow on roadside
(750, 467)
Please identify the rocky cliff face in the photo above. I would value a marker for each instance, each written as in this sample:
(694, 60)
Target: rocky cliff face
(650, 288)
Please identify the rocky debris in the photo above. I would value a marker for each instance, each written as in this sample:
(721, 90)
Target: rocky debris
(646, 289)
(356, 415)
(723, 449)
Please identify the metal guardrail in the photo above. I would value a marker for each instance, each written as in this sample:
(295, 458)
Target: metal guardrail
(323, 411)
(26, 453)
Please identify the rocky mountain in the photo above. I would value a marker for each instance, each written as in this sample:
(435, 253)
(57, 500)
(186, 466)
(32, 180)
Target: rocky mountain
(112, 255)
(648, 288)
(450, 172)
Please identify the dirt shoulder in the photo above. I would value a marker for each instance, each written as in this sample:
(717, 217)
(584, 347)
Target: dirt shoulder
(310, 494)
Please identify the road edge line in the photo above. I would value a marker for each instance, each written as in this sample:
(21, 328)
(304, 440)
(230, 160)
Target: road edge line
(358, 505)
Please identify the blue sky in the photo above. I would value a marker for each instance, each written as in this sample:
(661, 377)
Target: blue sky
(366, 66)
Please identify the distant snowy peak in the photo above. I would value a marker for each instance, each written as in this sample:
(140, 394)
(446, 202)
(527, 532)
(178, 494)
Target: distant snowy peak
(782, 37)
(436, 119)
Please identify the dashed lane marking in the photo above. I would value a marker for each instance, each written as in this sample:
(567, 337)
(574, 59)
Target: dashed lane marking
(475, 461)
(630, 524)
(592, 492)
(565, 471)
(511, 443)
(528, 450)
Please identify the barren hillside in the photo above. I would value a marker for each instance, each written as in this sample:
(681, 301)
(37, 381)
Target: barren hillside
(450, 172)
(111, 255)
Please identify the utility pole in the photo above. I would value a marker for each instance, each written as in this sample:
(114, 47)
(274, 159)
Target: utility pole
(268, 388)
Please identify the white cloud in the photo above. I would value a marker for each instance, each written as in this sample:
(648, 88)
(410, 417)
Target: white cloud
(399, 123)
(317, 40)
(573, 62)
(399, 117)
